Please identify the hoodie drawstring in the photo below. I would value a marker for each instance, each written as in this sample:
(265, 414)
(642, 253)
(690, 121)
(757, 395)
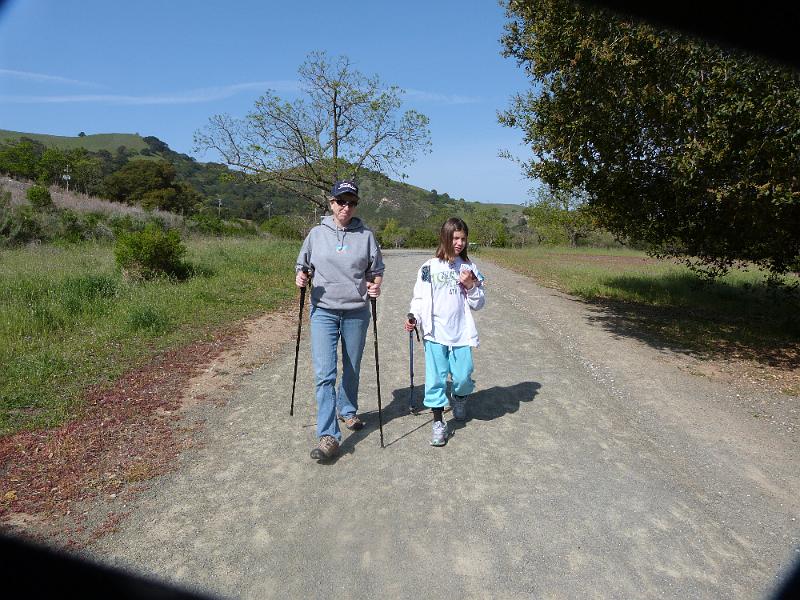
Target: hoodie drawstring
(340, 242)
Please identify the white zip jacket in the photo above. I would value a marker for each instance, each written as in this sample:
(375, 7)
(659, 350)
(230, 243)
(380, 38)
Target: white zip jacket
(442, 306)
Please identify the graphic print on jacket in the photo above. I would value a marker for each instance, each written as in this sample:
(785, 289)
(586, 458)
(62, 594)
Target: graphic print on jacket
(451, 278)
(443, 306)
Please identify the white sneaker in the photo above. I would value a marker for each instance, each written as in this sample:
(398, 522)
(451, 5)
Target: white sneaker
(440, 433)
(459, 408)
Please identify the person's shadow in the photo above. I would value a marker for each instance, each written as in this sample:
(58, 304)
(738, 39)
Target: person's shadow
(398, 407)
(483, 405)
(495, 402)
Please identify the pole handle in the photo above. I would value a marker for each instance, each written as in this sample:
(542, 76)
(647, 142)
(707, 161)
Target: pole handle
(413, 321)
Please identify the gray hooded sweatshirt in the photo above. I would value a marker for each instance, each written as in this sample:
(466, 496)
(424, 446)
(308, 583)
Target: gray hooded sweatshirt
(342, 260)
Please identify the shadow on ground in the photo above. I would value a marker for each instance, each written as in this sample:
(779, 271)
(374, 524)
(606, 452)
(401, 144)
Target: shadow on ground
(759, 330)
(483, 405)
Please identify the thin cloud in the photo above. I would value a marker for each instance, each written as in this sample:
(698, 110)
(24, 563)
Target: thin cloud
(188, 97)
(437, 98)
(43, 78)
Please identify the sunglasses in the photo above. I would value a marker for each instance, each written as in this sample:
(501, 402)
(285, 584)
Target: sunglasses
(344, 202)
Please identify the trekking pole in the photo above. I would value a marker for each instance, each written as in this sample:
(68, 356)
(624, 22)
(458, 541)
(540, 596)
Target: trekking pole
(413, 321)
(377, 366)
(297, 346)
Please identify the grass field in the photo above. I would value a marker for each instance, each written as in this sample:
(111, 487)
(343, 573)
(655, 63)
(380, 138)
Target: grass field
(69, 321)
(737, 315)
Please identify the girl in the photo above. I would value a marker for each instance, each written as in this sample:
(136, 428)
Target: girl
(448, 287)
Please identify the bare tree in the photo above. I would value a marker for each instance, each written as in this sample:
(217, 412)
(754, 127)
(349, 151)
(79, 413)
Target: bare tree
(345, 122)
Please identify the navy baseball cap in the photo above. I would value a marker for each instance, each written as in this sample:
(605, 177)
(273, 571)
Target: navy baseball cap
(344, 187)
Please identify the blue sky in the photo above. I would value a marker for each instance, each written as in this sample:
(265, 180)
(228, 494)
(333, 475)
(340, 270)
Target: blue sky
(164, 67)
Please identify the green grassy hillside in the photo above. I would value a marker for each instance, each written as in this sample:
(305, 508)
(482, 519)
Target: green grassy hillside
(93, 143)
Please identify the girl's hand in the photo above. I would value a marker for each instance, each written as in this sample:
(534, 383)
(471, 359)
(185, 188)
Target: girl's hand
(467, 279)
(374, 288)
(301, 280)
(408, 325)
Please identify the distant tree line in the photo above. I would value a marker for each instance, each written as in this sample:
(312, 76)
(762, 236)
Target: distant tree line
(158, 178)
(150, 183)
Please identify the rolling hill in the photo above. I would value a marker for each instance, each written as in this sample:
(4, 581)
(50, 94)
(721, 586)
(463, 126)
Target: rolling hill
(93, 143)
(382, 198)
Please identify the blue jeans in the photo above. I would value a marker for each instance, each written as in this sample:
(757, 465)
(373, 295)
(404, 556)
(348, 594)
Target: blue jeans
(441, 360)
(327, 327)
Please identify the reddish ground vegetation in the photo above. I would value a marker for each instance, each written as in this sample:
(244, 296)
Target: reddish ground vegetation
(125, 434)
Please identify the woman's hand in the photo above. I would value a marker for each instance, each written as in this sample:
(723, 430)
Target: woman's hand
(467, 279)
(301, 280)
(374, 287)
(409, 325)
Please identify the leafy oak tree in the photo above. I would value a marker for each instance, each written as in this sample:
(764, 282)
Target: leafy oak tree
(392, 235)
(691, 148)
(344, 121)
(559, 216)
(21, 158)
(152, 184)
(486, 226)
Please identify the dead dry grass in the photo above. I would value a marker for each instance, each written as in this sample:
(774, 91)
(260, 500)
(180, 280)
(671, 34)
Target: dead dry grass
(87, 204)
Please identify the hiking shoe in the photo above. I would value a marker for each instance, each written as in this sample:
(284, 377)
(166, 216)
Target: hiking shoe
(440, 433)
(459, 408)
(327, 448)
(353, 423)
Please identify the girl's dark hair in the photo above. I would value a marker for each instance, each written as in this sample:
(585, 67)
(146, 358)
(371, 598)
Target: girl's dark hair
(445, 250)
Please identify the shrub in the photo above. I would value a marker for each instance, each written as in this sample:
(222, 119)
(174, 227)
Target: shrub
(151, 253)
(75, 227)
(207, 223)
(39, 197)
(124, 224)
(600, 238)
(242, 227)
(19, 225)
(96, 227)
(284, 227)
(70, 226)
(422, 238)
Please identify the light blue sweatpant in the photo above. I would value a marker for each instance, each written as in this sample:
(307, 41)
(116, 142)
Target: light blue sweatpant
(441, 360)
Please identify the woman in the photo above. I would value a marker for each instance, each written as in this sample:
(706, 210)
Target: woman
(346, 268)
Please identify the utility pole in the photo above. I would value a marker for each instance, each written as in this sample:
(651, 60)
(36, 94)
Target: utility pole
(66, 176)
(269, 210)
(219, 207)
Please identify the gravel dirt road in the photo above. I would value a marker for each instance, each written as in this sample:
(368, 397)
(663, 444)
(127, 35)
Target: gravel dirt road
(592, 465)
